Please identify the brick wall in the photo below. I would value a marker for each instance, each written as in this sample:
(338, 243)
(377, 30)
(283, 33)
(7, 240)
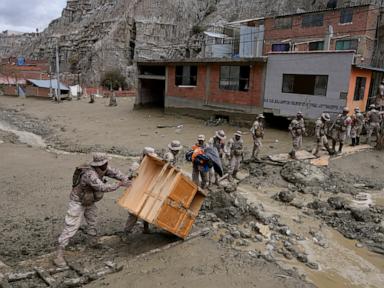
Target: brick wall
(363, 27)
(196, 92)
(251, 97)
(37, 92)
(213, 94)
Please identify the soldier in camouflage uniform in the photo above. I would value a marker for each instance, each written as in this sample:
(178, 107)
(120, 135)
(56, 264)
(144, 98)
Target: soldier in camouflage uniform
(218, 142)
(257, 131)
(341, 128)
(297, 130)
(234, 151)
(132, 219)
(373, 120)
(88, 188)
(321, 131)
(357, 126)
(174, 149)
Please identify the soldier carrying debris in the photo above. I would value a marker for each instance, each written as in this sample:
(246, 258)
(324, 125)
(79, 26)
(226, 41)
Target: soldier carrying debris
(132, 219)
(257, 131)
(88, 188)
(217, 142)
(321, 131)
(235, 152)
(373, 120)
(200, 163)
(341, 128)
(174, 149)
(297, 130)
(357, 126)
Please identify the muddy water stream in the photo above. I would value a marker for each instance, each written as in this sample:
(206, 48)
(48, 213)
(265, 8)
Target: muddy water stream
(341, 264)
(24, 136)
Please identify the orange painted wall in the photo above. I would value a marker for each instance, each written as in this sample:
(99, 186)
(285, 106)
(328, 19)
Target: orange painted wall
(357, 72)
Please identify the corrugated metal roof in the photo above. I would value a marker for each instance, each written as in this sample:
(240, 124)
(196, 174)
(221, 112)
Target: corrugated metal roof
(376, 69)
(46, 84)
(216, 35)
(202, 60)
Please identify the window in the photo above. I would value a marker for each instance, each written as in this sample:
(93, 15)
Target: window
(305, 84)
(314, 46)
(281, 47)
(234, 78)
(359, 88)
(283, 23)
(347, 44)
(186, 76)
(312, 20)
(346, 16)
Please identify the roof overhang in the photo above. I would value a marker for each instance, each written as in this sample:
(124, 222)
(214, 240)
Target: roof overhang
(369, 68)
(203, 61)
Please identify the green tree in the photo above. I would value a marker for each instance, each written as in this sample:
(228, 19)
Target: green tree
(113, 80)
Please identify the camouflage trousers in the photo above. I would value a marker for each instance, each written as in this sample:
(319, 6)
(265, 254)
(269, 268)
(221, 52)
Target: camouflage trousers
(75, 214)
(257, 144)
(131, 221)
(297, 142)
(234, 164)
(338, 135)
(373, 128)
(196, 172)
(356, 131)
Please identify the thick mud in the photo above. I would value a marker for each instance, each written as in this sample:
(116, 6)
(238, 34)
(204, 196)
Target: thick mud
(278, 225)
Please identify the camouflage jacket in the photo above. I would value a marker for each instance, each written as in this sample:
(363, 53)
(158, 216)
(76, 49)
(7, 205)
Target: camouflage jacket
(91, 182)
(170, 158)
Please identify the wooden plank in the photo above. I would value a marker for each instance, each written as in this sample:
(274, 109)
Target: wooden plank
(300, 155)
(159, 199)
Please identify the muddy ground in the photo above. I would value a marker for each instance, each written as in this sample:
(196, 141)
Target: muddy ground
(276, 227)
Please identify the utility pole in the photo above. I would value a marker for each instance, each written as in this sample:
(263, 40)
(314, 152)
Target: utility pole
(58, 72)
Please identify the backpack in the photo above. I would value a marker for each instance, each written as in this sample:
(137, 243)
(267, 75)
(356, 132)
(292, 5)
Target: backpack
(79, 172)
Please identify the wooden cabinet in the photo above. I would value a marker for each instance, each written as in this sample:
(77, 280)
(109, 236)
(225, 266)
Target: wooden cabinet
(163, 196)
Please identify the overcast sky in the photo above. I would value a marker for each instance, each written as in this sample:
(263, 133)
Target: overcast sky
(27, 15)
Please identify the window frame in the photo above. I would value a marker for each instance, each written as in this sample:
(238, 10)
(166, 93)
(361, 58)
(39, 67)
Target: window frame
(286, 44)
(282, 23)
(322, 48)
(235, 79)
(186, 78)
(344, 13)
(288, 82)
(313, 22)
(347, 40)
(358, 88)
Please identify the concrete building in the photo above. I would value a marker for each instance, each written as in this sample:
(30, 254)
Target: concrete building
(314, 82)
(204, 87)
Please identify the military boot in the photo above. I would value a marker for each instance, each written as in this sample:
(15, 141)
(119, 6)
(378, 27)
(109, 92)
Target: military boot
(340, 148)
(292, 154)
(59, 260)
(357, 140)
(330, 151)
(334, 145)
(353, 142)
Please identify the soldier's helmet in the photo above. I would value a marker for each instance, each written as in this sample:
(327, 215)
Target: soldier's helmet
(346, 109)
(148, 151)
(99, 159)
(326, 117)
(201, 137)
(372, 106)
(299, 114)
(357, 109)
(260, 116)
(220, 134)
(175, 145)
(238, 133)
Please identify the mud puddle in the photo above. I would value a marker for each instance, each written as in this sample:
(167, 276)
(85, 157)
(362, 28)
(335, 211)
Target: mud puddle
(341, 263)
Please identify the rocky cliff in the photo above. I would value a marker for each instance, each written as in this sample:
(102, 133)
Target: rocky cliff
(95, 36)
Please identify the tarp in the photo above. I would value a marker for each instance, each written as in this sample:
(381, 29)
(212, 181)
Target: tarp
(214, 156)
